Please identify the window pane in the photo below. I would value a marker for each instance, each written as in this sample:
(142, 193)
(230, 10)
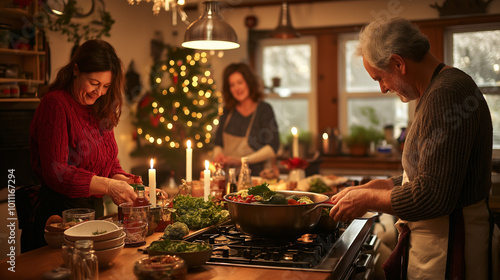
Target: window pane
(357, 79)
(389, 111)
(494, 104)
(290, 63)
(477, 54)
(287, 114)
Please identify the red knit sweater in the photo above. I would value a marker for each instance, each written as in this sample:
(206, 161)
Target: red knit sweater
(68, 146)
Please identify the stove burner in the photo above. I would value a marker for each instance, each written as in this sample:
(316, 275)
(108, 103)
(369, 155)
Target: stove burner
(234, 247)
(221, 239)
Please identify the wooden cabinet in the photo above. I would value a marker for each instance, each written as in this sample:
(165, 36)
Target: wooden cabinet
(22, 64)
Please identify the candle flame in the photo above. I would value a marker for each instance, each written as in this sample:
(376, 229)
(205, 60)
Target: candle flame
(188, 144)
(294, 131)
(325, 136)
(151, 163)
(207, 164)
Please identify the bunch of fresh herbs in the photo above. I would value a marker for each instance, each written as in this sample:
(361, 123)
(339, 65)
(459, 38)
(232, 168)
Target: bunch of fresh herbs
(197, 213)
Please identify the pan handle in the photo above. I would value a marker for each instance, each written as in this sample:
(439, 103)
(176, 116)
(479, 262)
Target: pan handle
(316, 207)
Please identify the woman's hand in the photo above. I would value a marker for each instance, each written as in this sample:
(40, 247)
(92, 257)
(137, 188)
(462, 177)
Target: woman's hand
(121, 177)
(120, 191)
(220, 158)
(233, 161)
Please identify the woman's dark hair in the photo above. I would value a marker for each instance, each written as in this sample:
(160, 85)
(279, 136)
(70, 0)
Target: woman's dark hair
(96, 56)
(254, 85)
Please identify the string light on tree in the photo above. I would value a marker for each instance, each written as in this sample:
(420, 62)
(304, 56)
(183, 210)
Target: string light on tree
(184, 102)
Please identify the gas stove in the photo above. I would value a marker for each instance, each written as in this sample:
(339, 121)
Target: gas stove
(339, 252)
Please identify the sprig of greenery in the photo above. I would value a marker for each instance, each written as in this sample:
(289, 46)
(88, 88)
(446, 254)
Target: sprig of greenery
(77, 31)
(197, 213)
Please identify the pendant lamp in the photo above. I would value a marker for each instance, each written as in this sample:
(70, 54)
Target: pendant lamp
(210, 32)
(285, 29)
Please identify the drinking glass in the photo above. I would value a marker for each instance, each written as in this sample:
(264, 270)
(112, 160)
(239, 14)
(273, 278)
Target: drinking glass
(75, 216)
(135, 223)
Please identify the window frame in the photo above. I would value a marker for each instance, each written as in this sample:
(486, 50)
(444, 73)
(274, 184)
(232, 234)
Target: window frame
(448, 54)
(312, 96)
(344, 96)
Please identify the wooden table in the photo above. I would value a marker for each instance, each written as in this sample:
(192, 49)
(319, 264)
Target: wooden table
(32, 265)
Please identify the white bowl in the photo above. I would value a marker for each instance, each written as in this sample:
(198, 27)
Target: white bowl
(104, 244)
(54, 239)
(91, 230)
(105, 257)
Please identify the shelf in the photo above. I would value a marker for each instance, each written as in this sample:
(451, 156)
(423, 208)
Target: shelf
(27, 81)
(20, 99)
(21, 52)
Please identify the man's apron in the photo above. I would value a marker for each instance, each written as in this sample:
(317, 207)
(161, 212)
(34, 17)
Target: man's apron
(237, 146)
(428, 245)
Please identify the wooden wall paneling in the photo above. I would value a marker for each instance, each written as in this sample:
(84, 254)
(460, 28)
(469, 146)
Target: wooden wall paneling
(436, 39)
(327, 81)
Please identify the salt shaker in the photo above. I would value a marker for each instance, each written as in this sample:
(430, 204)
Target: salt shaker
(85, 265)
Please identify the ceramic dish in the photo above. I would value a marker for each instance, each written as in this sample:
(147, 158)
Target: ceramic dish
(104, 244)
(96, 230)
(105, 257)
(192, 259)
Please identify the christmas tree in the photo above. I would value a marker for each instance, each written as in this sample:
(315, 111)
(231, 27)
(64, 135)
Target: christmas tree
(183, 104)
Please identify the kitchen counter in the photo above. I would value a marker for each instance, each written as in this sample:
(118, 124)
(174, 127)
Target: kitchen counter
(32, 265)
(365, 166)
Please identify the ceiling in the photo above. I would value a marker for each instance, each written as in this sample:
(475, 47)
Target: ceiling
(193, 4)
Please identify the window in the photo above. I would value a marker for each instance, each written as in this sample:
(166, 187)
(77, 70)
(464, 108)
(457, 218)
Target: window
(287, 68)
(357, 90)
(474, 50)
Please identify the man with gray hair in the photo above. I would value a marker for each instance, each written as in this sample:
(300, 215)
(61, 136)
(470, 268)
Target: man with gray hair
(446, 231)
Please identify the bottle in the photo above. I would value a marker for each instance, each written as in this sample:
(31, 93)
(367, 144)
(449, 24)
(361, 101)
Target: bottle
(231, 181)
(219, 181)
(85, 265)
(245, 177)
(137, 182)
(141, 199)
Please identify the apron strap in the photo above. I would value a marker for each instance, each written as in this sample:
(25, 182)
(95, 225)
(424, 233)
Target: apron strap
(249, 128)
(455, 260)
(396, 266)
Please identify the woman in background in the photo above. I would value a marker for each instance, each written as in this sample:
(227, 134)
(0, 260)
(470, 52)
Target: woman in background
(72, 143)
(247, 127)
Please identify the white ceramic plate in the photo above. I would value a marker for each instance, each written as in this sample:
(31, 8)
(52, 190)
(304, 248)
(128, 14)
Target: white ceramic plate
(104, 244)
(96, 230)
(105, 257)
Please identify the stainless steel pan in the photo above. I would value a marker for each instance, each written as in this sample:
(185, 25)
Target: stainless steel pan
(277, 221)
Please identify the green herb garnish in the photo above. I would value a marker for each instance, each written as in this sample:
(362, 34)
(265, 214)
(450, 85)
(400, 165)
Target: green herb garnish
(97, 232)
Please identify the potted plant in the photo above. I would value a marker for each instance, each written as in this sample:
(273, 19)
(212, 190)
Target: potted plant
(359, 138)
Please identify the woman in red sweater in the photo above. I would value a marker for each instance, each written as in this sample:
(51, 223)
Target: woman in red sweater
(73, 147)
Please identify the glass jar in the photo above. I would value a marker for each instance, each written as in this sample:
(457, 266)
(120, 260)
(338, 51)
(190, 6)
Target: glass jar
(84, 265)
(4, 35)
(245, 177)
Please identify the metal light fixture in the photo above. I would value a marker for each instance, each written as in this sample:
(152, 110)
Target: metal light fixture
(210, 32)
(285, 29)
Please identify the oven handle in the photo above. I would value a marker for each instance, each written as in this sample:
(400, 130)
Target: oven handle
(362, 262)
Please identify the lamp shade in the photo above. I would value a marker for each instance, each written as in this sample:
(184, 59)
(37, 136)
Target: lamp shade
(285, 29)
(210, 32)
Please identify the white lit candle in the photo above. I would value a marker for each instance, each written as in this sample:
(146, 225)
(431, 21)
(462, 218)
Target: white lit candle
(189, 162)
(206, 181)
(295, 146)
(326, 144)
(152, 185)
